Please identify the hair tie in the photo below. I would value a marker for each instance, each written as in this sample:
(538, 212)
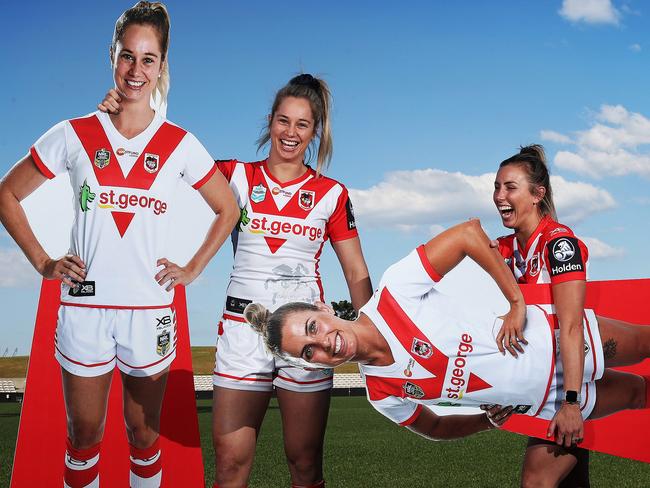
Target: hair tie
(305, 79)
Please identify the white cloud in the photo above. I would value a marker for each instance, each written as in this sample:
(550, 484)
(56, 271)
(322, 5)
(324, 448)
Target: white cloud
(601, 250)
(16, 270)
(635, 47)
(552, 136)
(590, 11)
(617, 143)
(432, 197)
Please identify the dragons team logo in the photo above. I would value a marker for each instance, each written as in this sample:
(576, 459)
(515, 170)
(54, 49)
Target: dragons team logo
(151, 162)
(563, 250)
(421, 348)
(306, 199)
(102, 158)
(85, 196)
(412, 390)
(534, 265)
(259, 193)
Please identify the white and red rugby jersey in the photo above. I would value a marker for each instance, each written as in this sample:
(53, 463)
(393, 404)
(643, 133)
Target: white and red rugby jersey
(124, 188)
(280, 235)
(553, 254)
(445, 350)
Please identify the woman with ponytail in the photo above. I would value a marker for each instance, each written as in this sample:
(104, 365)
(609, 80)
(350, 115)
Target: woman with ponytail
(116, 285)
(287, 212)
(543, 251)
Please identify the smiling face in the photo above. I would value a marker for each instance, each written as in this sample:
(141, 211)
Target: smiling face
(137, 63)
(291, 130)
(319, 338)
(516, 204)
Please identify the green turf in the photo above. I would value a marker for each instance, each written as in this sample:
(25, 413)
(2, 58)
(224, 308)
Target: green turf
(9, 417)
(363, 449)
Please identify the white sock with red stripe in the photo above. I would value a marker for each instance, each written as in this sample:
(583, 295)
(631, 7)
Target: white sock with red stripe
(146, 466)
(81, 467)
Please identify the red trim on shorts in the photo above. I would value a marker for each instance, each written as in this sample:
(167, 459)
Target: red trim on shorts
(205, 179)
(83, 364)
(428, 267)
(591, 342)
(263, 380)
(291, 380)
(117, 307)
(40, 164)
(227, 316)
(152, 364)
(552, 372)
(412, 418)
(586, 397)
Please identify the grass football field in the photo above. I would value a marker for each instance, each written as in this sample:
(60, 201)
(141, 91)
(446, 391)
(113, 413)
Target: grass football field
(364, 450)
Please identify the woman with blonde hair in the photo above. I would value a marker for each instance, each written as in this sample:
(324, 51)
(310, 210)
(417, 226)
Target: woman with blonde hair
(116, 285)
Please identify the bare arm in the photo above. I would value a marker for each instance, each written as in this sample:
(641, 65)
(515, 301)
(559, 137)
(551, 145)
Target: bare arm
(447, 427)
(17, 185)
(569, 300)
(219, 197)
(468, 239)
(355, 270)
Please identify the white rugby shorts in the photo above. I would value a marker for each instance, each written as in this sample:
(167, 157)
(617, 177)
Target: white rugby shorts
(242, 362)
(91, 341)
(594, 370)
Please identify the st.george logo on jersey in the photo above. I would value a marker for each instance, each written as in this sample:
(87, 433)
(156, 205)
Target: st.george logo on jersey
(421, 348)
(306, 199)
(151, 162)
(102, 158)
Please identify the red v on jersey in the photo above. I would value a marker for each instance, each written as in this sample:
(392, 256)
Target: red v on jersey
(93, 139)
(422, 350)
(407, 333)
(259, 188)
(474, 383)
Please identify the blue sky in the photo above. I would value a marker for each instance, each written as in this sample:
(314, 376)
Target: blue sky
(428, 98)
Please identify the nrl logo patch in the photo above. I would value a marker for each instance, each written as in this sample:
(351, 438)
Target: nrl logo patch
(259, 193)
(102, 158)
(412, 390)
(421, 348)
(151, 162)
(306, 199)
(163, 343)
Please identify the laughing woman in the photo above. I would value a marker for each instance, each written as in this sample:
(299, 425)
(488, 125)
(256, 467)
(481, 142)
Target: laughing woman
(543, 251)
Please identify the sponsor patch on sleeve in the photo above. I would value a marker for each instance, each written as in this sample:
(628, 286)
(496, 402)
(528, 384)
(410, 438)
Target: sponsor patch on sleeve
(564, 256)
(350, 214)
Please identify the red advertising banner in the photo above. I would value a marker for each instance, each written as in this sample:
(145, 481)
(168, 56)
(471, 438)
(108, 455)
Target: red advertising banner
(40, 447)
(626, 433)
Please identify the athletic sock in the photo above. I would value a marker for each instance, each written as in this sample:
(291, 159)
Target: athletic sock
(81, 467)
(146, 466)
(647, 391)
(320, 484)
